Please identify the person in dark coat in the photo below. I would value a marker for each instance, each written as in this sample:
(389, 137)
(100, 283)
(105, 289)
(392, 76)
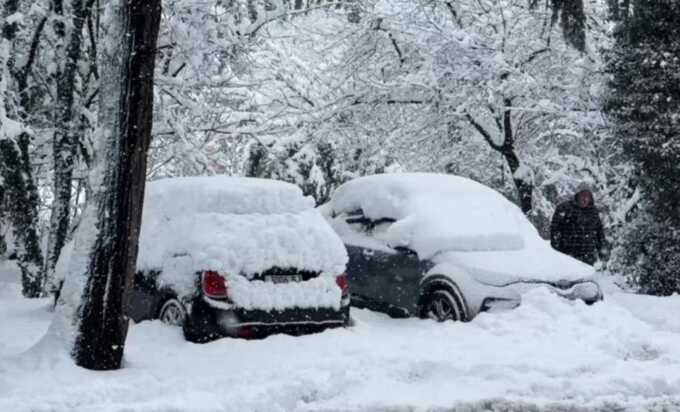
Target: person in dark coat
(576, 228)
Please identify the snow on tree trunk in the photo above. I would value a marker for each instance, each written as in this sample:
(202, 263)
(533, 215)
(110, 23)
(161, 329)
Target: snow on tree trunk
(20, 191)
(22, 214)
(521, 174)
(64, 140)
(90, 312)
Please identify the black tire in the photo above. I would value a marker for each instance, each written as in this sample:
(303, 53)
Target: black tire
(442, 304)
(172, 313)
(192, 333)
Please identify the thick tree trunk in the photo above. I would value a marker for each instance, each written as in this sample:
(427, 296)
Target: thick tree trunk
(126, 124)
(64, 140)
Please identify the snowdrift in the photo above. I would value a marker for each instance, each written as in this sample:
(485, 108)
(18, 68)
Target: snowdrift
(549, 354)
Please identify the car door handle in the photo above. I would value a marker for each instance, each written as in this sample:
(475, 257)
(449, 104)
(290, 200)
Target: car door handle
(368, 252)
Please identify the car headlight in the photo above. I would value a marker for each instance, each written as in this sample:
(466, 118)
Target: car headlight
(588, 291)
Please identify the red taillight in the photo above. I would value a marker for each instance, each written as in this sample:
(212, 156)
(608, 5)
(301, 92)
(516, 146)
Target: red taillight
(343, 284)
(214, 285)
(244, 332)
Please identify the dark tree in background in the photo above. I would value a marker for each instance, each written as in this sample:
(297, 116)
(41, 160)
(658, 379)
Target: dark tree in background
(572, 19)
(19, 198)
(21, 204)
(644, 107)
(312, 166)
(65, 133)
(125, 116)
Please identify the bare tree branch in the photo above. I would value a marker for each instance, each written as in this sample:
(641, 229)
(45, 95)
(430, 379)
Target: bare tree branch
(485, 134)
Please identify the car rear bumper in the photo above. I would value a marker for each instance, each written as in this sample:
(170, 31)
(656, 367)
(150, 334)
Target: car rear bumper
(214, 319)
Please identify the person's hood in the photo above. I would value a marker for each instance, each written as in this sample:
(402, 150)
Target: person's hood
(581, 188)
(584, 187)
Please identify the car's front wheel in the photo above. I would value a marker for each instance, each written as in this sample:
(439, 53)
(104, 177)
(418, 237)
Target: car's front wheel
(441, 305)
(172, 313)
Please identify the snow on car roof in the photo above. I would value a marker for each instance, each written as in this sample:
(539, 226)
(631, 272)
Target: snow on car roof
(225, 194)
(235, 226)
(435, 212)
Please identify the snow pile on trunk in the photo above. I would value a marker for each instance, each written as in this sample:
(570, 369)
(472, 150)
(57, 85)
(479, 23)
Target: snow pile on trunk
(236, 226)
(434, 212)
(321, 292)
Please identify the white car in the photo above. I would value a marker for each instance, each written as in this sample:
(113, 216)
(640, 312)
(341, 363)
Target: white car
(445, 247)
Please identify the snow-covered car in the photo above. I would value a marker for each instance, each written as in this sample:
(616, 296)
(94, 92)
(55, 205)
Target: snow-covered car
(445, 247)
(225, 256)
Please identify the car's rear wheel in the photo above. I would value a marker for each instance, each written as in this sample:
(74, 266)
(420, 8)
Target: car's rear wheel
(441, 305)
(172, 313)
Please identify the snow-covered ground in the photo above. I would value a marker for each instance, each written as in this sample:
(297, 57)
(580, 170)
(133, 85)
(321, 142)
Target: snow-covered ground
(620, 354)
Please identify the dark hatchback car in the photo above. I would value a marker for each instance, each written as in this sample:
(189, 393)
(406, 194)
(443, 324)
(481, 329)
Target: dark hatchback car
(209, 312)
(222, 256)
(445, 247)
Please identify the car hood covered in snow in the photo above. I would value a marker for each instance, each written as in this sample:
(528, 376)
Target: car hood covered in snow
(237, 226)
(535, 263)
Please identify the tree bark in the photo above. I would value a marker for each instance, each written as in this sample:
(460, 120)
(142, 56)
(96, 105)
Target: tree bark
(525, 188)
(64, 140)
(16, 171)
(102, 326)
(22, 213)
